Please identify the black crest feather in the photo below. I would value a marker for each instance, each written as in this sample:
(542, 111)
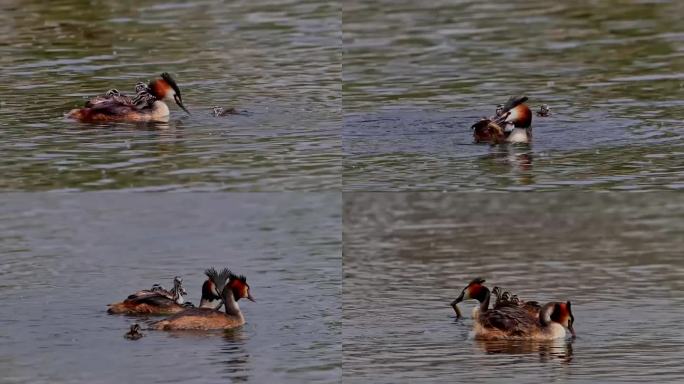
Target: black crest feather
(218, 278)
(233, 276)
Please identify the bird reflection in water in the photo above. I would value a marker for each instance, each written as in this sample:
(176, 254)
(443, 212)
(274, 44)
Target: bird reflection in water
(507, 159)
(552, 350)
(236, 358)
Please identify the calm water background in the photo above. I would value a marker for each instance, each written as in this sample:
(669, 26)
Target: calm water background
(418, 74)
(279, 61)
(617, 257)
(64, 257)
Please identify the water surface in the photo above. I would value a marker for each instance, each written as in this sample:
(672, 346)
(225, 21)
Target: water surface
(65, 257)
(617, 257)
(417, 75)
(277, 60)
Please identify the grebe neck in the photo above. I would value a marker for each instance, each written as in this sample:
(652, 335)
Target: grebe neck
(160, 111)
(232, 307)
(484, 303)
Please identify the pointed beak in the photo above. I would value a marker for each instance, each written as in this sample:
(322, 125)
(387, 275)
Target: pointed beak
(250, 298)
(572, 331)
(455, 306)
(178, 101)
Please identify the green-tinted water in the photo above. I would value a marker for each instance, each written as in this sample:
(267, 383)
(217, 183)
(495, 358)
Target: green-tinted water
(417, 75)
(277, 60)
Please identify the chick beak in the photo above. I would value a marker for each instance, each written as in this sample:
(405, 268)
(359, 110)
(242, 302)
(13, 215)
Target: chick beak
(178, 101)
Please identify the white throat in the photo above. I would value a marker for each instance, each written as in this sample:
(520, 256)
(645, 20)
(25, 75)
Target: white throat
(232, 307)
(518, 135)
(160, 111)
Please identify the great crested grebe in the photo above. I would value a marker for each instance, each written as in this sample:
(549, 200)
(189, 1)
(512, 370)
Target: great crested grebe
(158, 301)
(234, 288)
(147, 106)
(475, 290)
(515, 323)
(134, 333)
(544, 111)
(511, 124)
(223, 112)
(511, 319)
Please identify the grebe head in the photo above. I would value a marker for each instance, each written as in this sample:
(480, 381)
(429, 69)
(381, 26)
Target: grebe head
(238, 287)
(178, 291)
(560, 313)
(515, 114)
(474, 291)
(167, 89)
(544, 110)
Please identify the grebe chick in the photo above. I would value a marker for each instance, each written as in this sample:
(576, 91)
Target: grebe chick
(544, 111)
(515, 323)
(511, 124)
(222, 112)
(134, 333)
(475, 290)
(158, 301)
(505, 298)
(176, 293)
(148, 104)
(234, 289)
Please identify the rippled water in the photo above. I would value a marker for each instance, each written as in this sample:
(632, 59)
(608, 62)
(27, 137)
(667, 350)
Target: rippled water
(417, 75)
(279, 61)
(617, 257)
(64, 257)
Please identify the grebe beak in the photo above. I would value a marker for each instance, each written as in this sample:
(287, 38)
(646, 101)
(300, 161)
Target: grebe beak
(572, 331)
(250, 298)
(455, 306)
(178, 101)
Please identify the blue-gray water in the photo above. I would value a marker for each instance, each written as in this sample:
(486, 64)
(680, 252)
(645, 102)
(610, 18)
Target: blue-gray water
(65, 257)
(617, 257)
(278, 60)
(418, 74)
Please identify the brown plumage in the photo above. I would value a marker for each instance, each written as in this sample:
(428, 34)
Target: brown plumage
(516, 323)
(159, 301)
(148, 104)
(506, 299)
(147, 304)
(511, 318)
(499, 128)
(199, 319)
(234, 288)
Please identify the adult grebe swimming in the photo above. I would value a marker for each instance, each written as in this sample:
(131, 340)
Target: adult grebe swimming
(475, 290)
(147, 106)
(234, 288)
(511, 124)
(158, 301)
(515, 319)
